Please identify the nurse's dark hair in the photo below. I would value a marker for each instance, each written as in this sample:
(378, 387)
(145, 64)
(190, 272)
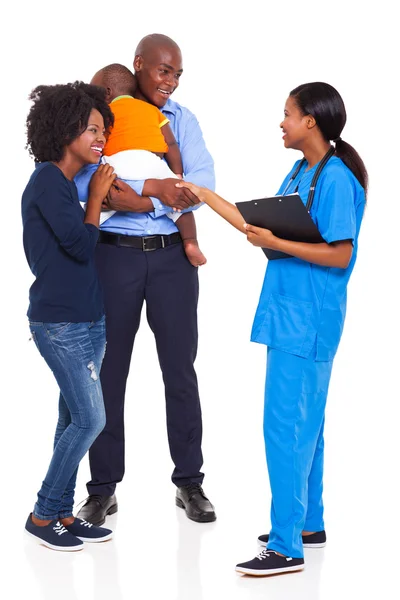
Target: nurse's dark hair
(59, 115)
(325, 104)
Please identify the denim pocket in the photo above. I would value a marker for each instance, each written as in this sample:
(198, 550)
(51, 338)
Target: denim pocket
(34, 338)
(55, 329)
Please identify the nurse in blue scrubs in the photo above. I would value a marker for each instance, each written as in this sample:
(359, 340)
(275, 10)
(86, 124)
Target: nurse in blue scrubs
(300, 318)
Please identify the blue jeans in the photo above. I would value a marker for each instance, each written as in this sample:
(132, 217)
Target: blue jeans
(74, 352)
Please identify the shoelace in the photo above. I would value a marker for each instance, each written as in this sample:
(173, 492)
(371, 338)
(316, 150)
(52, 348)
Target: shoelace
(194, 488)
(86, 523)
(95, 497)
(59, 528)
(265, 554)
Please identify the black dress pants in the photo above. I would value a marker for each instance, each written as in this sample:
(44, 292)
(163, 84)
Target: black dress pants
(169, 285)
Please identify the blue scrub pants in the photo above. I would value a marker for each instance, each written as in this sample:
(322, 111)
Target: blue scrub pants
(295, 397)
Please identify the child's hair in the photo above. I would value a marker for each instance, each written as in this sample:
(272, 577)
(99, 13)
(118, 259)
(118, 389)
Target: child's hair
(60, 114)
(119, 78)
(325, 104)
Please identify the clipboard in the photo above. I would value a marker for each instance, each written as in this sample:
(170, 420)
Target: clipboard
(285, 216)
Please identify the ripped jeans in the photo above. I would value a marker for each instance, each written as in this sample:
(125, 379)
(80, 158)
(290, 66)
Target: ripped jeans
(74, 352)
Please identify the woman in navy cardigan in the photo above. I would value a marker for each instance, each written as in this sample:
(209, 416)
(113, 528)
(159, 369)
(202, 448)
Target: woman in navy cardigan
(66, 129)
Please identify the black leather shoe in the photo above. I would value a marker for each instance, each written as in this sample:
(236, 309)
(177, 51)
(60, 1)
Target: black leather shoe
(96, 508)
(195, 503)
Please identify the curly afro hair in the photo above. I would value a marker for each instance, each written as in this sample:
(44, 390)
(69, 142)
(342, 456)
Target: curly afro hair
(59, 115)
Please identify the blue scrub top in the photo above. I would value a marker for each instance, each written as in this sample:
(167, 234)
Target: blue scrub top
(303, 305)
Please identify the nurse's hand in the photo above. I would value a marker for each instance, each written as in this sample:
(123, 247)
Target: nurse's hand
(196, 190)
(263, 238)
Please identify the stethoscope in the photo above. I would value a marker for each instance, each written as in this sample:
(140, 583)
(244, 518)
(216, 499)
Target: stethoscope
(317, 173)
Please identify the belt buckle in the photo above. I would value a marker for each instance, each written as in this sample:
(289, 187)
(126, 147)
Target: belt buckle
(144, 239)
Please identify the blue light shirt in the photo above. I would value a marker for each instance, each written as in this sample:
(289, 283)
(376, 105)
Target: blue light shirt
(198, 168)
(303, 305)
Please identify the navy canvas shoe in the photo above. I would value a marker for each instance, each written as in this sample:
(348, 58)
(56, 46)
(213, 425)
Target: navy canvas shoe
(268, 562)
(87, 532)
(315, 540)
(54, 536)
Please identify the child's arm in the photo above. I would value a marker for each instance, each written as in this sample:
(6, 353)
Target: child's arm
(173, 156)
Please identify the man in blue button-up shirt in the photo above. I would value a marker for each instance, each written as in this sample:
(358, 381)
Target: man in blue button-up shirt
(130, 274)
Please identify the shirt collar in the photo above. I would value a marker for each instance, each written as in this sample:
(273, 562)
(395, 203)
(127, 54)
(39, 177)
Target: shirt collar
(169, 107)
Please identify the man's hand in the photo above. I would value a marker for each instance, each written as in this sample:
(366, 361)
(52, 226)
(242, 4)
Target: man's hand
(169, 194)
(122, 197)
(263, 238)
(199, 192)
(106, 202)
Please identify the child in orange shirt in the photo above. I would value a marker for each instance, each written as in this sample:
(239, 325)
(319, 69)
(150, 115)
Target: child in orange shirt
(140, 138)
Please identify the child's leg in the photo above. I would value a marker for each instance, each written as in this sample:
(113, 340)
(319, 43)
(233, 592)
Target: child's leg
(68, 350)
(187, 228)
(295, 398)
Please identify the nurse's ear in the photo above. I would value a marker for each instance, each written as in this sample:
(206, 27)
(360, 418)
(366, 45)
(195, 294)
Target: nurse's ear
(310, 122)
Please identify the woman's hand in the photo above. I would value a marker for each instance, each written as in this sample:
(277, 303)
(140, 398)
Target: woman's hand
(99, 187)
(263, 238)
(101, 182)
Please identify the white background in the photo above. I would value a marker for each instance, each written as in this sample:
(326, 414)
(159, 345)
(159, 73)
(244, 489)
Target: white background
(240, 62)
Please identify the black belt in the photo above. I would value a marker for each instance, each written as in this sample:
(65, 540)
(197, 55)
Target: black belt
(145, 243)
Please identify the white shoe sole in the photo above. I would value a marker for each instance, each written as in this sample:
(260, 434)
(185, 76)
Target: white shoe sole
(95, 540)
(261, 573)
(322, 545)
(52, 547)
(315, 545)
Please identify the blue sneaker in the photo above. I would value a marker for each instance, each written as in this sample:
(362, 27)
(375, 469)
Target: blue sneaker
(54, 536)
(87, 532)
(268, 562)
